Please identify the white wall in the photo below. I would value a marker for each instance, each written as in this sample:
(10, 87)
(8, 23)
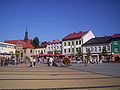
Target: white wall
(88, 36)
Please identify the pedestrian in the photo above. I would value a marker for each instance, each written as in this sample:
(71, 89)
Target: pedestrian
(51, 61)
(34, 61)
(31, 62)
(86, 61)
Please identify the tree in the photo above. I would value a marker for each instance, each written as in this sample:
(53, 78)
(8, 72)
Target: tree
(56, 51)
(17, 53)
(80, 54)
(35, 42)
(104, 52)
(88, 54)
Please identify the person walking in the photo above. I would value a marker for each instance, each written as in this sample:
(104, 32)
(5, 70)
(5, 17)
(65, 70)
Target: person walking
(34, 61)
(51, 61)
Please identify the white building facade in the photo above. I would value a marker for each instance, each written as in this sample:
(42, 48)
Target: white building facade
(55, 45)
(74, 41)
(96, 46)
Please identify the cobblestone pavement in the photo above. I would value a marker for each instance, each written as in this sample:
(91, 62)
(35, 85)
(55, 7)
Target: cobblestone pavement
(54, 78)
(112, 69)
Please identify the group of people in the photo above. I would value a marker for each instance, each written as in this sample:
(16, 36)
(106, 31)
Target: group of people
(51, 61)
(32, 62)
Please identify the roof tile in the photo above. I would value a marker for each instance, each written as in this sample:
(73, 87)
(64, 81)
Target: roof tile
(74, 35)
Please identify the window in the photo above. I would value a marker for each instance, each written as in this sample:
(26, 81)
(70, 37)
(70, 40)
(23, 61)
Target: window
(24, 50)
(21, 54)
(64, 50)
(76, 49)
(91, 49)
(69, 50)
(72, 43)
(86, 49)
(115, 42)
(68, 43)
(72, 49)
(108, 48)
(100, 49)
(49, 48)
(79, 42)
(95, 49)
(31, 51)
(116, 50)
(76, 42)
(64, 43)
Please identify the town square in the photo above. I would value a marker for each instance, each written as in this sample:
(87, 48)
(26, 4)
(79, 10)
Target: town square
(60, 45)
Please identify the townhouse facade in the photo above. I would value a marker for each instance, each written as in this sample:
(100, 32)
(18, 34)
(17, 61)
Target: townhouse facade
(96, 45)
(115, 45)
(72, 42)
(24, 48)
(53, 46)
(41, 49)
(7, 48)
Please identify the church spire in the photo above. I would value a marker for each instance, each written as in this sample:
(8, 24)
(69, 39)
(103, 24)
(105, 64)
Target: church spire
(26, 35)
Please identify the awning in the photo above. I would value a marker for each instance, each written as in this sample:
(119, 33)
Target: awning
(116, 55)
(5, 54)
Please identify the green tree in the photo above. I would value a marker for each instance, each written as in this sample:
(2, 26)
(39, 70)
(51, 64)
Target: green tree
(80, 54)
(55, 52)
(104, 52)
(35, 42)
(88, 54)
(17, 53)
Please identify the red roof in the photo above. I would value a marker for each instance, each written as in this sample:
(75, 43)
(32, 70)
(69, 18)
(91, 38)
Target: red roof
(116, 36)
(74, 36)
(55, 41)
(12, 41)
(26, 44)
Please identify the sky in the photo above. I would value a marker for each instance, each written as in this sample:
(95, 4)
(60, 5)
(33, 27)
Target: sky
(54, 19)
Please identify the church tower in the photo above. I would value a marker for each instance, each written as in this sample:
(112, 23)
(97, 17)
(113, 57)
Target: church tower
(26, 35)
